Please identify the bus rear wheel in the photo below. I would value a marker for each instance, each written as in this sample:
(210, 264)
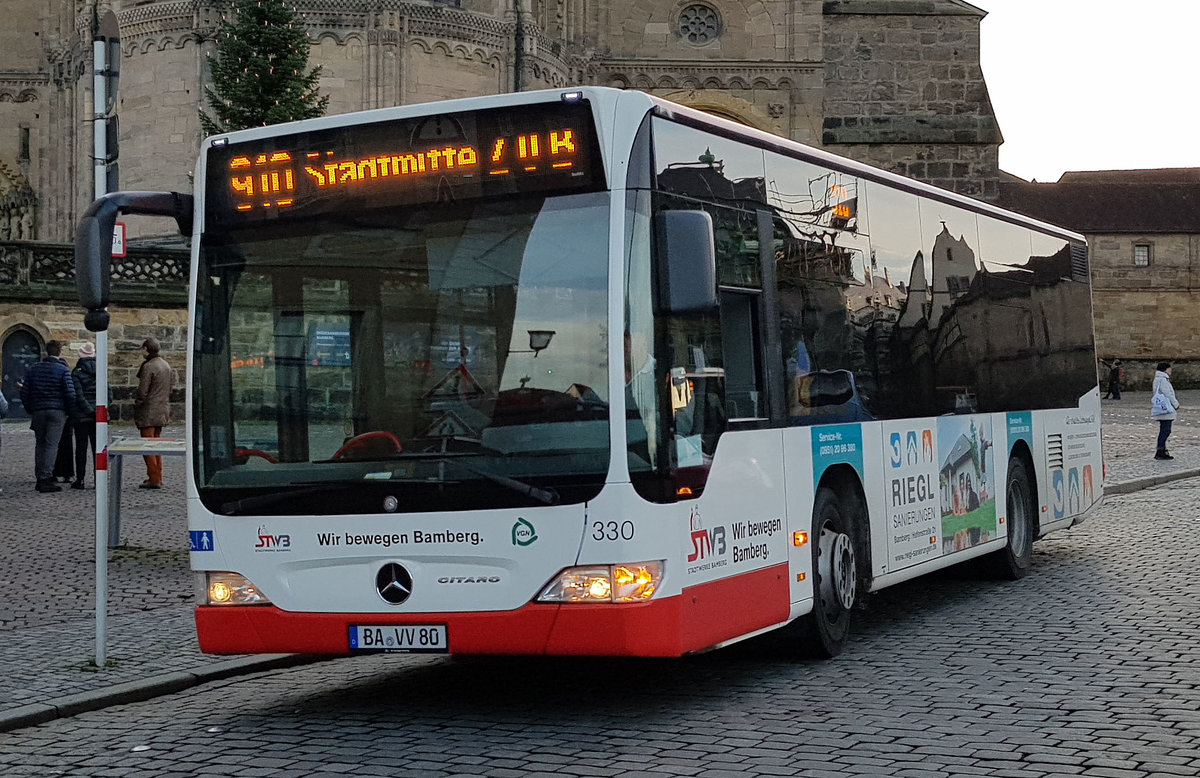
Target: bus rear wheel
(1015, 559)
(835, 578)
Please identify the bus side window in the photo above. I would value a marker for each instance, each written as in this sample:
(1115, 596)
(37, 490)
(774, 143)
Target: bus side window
(744, 397)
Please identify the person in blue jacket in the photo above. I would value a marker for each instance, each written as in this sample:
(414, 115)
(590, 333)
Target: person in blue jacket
(48, 394)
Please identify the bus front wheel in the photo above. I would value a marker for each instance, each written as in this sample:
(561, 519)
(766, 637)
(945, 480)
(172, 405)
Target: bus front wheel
(835, 578)
(1014, 560)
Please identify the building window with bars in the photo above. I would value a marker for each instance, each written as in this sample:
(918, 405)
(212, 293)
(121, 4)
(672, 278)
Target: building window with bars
(1141, 254)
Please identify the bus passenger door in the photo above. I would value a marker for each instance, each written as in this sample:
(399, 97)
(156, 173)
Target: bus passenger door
(797, 469)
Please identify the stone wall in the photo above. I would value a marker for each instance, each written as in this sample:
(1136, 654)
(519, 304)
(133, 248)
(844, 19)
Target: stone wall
(149, 294)
(1144, 315)
(64, 322)
(438, 73)
(967, 169)
(904, 90)
(892, 82)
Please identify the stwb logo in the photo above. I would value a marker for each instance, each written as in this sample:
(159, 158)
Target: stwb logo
(269, 542)
(704, 542)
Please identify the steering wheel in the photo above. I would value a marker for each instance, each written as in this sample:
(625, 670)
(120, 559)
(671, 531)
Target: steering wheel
(368, 442)
(246, 453)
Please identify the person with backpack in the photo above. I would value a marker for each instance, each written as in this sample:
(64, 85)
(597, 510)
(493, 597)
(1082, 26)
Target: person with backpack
(82, 419)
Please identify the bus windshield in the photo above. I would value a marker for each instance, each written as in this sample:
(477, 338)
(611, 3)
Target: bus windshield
(439, 357)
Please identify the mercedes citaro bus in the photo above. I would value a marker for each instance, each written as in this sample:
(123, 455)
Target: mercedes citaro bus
(588, 372)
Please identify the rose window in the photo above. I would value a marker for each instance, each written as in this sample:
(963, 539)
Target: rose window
(698, 24)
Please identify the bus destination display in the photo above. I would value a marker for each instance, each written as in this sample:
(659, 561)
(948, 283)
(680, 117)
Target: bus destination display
(444, 158)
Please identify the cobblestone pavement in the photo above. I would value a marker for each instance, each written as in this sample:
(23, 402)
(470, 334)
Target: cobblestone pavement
(47, 541)
(47, 568)
(1087, 667)
(1130, 437)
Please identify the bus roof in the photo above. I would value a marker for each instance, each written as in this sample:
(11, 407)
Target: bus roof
(734, 130)
(610, 96)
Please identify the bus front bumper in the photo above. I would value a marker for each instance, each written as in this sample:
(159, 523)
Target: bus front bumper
(650, 629)
(700, 617)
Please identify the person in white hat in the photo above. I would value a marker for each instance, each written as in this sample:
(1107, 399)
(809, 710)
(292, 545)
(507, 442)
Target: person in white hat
(82, 418)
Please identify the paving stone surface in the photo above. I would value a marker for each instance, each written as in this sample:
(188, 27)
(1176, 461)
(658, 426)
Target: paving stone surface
(1088, 667)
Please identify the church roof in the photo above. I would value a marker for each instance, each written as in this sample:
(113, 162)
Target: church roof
(903, 8)
(1169, 175)
(1112, 201)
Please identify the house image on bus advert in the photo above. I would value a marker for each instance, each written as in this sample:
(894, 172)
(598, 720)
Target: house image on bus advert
(967, 485)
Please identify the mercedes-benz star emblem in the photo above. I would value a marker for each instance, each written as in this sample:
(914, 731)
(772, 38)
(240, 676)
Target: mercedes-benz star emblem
(394, 583)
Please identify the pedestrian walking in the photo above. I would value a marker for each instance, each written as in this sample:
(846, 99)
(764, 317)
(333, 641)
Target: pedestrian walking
(47, 394)
(1115, 374)
(83, 417)
(1163, 407)
(152, 405)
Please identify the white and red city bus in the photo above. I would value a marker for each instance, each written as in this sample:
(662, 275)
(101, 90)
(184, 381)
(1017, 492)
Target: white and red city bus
(588, 372)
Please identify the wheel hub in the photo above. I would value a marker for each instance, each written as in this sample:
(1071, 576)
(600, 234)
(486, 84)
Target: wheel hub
(839, 570)
(1018, 520)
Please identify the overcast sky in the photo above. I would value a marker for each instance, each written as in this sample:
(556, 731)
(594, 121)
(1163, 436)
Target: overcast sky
(1093, 84)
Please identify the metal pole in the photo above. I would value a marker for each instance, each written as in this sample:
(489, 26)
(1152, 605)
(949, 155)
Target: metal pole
(100, 156)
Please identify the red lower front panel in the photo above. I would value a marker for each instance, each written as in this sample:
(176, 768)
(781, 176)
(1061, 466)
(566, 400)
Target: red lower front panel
(700, 617)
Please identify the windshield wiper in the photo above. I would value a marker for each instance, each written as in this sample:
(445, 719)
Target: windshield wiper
(250, 504)
(544, 496)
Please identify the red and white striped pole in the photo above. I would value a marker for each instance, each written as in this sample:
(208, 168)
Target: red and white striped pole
(100, 158)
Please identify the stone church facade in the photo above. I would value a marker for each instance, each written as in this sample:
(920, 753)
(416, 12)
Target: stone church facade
(896, 83)
(891, 82)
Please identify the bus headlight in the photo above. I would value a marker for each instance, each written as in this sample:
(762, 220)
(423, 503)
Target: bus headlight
(605, 583)
(232, 589)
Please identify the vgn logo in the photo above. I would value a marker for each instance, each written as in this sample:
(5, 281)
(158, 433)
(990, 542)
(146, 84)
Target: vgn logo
(523, 533)
(269, 542)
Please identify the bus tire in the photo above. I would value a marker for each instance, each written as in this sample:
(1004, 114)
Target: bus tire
(1016, 558)
(835, 578)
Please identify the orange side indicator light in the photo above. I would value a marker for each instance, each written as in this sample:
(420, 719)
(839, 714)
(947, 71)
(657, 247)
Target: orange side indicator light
(683, 491)
(801, 577)
(800, 539)
(933, 541)
(1001, 519)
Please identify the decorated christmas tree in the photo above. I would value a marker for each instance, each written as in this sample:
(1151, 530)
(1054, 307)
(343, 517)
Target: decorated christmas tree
(259, 72)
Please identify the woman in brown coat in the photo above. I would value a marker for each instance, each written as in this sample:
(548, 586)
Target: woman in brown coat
(152, 405)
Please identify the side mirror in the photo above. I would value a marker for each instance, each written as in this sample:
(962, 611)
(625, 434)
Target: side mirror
(688, 262)
(93, 243)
